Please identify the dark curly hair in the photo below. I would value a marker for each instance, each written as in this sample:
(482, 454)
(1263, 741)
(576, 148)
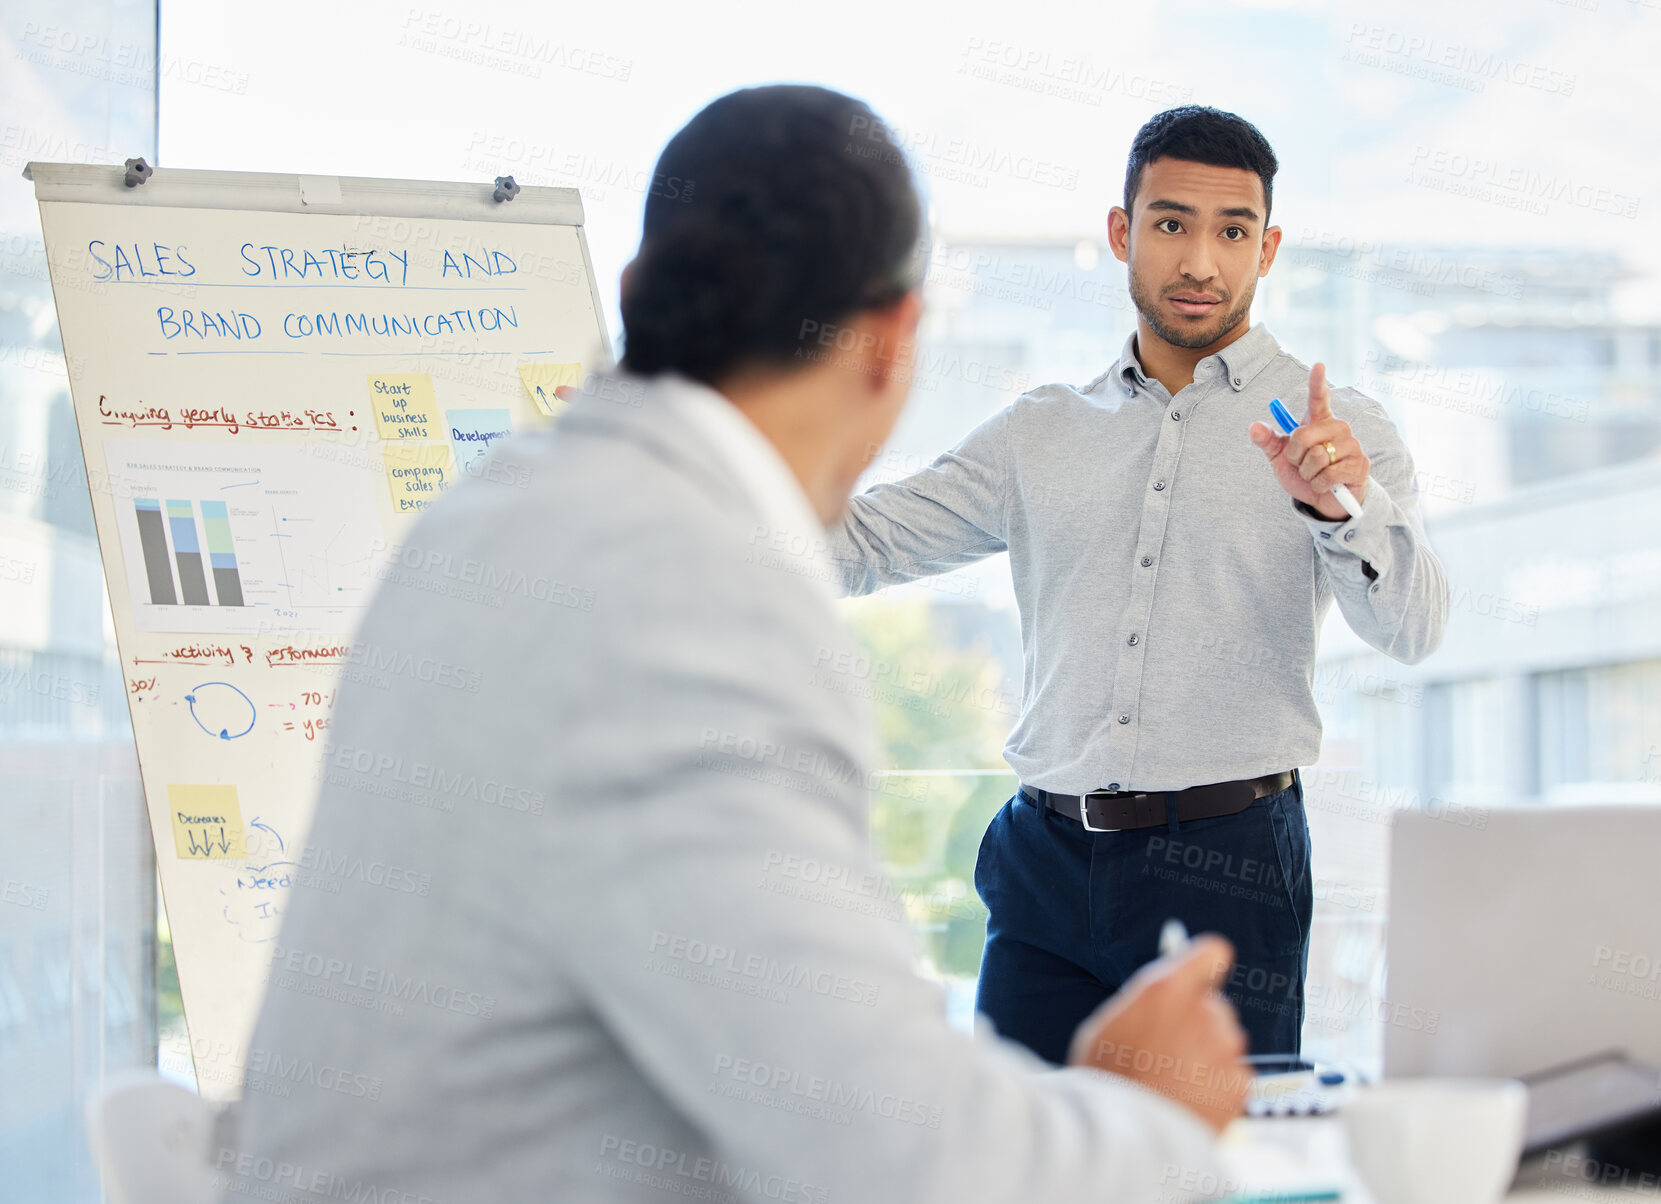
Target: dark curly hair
(1201, 134)
(794, 207)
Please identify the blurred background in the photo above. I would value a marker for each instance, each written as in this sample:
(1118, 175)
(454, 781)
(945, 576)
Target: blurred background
(1468, 194)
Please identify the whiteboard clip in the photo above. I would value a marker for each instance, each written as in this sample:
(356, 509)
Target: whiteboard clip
(138, 171)
(506, 189)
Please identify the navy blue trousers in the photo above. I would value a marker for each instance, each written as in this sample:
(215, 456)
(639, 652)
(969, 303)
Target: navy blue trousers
(1074, 913)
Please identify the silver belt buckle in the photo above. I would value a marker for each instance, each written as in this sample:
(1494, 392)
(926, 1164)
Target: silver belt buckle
(1084, 813)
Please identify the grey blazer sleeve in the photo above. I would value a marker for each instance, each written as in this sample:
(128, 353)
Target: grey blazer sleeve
(946, 515)
(1402, 607)
(724, 919)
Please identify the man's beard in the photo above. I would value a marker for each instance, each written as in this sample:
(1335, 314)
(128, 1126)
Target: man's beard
(1187, 337)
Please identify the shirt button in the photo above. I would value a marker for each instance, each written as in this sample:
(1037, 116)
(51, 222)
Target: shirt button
(1133, 638)
(1158, 485)
(1147, 561)
(1348, 535)
(1126, 718)
(1176, 415)
(1113, 786)
(1326, 534)
(1375, 588)
(1236, 382)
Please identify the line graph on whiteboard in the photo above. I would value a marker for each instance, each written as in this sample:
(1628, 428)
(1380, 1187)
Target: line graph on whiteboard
(243, 540)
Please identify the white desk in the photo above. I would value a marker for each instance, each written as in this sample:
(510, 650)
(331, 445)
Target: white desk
(1318, 1143)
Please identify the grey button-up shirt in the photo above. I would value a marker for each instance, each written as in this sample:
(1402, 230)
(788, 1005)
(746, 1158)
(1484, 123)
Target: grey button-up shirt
(1171, 593)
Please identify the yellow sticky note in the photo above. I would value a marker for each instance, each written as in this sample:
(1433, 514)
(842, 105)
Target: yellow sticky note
(405, 407)
(417, 473)
(540, 381)
(207, 823)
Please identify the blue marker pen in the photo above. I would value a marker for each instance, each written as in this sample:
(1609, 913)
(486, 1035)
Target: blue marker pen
(1288, 424)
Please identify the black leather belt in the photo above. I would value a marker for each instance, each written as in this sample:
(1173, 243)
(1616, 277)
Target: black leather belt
(1114, 811)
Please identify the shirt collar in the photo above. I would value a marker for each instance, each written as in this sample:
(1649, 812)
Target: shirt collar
(1128, 371)
(792, 527)
(1240, 361)
(1248, 355)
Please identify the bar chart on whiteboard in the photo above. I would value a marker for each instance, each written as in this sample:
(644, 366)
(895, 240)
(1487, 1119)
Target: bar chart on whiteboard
(260, 539)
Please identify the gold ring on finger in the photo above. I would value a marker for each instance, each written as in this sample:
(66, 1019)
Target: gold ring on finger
(1331, 453)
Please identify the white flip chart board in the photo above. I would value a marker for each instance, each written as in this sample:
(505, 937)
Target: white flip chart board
(272, 376)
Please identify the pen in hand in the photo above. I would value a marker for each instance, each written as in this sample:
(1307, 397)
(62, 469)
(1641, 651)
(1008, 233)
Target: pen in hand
(1288, 424)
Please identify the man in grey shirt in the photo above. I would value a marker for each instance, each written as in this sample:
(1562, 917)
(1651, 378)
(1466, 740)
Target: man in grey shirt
(1171, 584)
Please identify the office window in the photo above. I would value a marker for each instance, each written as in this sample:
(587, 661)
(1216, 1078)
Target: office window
(77, 878)
(1458, 245)
(945, 683)
(1600, 733)
(1477, 736)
